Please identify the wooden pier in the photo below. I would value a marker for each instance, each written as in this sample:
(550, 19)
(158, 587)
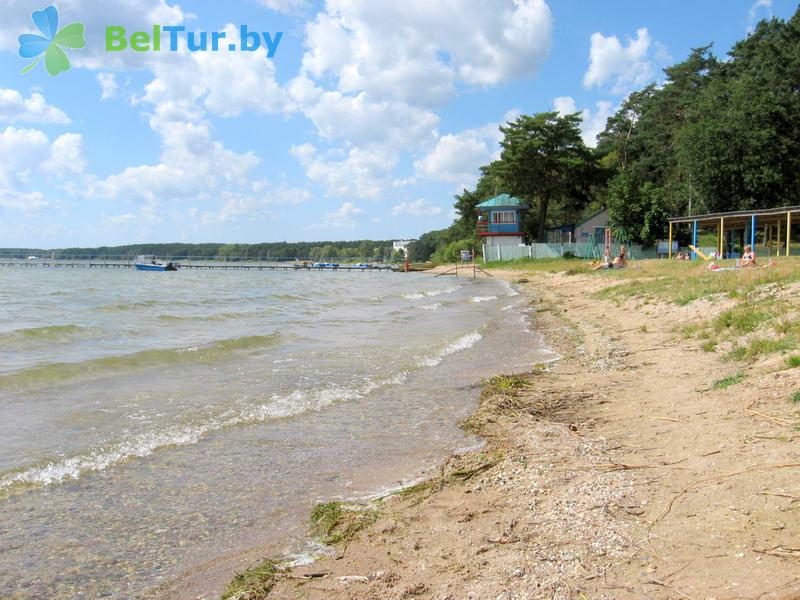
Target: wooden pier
(88, 264)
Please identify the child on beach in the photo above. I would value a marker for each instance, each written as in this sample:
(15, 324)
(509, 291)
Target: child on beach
(748, 257)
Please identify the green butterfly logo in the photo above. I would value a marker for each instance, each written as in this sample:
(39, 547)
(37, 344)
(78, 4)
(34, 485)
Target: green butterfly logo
(49, 44)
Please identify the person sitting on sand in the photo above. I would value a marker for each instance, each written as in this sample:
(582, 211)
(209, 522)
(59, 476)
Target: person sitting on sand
(679, 256)
(621, 261)
(748, 257)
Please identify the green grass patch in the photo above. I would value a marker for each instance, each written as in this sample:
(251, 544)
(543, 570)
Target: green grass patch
(761, 347)
(793, 361)
(709, 346)
(795, 398)
(337, 522)
(683, 282)
(741, 319)
(253, 584)
(726, 382)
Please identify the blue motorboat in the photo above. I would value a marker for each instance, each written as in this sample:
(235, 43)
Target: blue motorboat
(151, 263)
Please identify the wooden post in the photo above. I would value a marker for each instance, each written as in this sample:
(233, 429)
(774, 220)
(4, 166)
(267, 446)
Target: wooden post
(788, 231)
(669, 252)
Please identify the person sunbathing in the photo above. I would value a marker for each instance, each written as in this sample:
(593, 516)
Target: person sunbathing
(748, 257)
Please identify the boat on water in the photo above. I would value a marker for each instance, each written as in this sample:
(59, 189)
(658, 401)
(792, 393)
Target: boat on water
(151, 263)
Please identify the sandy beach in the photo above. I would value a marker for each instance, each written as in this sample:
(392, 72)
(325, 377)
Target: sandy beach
(621, 471)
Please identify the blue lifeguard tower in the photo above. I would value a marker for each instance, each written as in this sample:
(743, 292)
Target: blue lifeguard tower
(500, 221)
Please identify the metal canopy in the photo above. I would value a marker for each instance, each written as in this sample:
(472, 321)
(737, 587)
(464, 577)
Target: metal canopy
(742, 215)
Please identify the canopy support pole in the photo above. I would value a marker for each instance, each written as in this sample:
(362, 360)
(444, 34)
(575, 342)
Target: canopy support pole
(788, 230)
(669, 251)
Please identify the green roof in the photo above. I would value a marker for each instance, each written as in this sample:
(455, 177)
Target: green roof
(503, 201)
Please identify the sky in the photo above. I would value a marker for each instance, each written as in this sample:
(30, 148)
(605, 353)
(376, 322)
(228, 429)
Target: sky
(367, 119)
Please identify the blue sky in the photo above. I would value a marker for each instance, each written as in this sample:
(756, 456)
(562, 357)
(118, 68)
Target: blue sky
(367, 120)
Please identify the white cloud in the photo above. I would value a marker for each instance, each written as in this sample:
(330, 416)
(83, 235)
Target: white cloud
(417, 51)
(419, 207)
(28, 160)
(565, 105)
(108, 85)
(593, 121)
(285, 6)
(193, 166)
(360, 172)
(759, 10)
(67, 155)
(27, 203)
(458, 157)
(14, 108)
(624, 67)
(225, 83)
(236, 206)
(343, 218)
(359, 121)
(26, 154)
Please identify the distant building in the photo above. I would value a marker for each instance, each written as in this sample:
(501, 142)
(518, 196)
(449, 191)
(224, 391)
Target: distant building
(500, 221)
(401, 245)
(595, 226)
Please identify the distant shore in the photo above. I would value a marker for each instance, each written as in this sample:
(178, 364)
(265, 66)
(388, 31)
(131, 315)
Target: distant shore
(639, 465)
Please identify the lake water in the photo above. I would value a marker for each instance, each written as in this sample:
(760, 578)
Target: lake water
(156, 425)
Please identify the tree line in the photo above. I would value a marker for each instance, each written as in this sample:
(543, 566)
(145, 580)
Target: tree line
(715, 135)
(369, 250)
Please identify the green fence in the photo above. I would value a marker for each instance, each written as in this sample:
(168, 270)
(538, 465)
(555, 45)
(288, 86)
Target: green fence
(579, 250)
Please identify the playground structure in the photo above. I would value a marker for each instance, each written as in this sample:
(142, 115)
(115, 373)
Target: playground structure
(768, 229)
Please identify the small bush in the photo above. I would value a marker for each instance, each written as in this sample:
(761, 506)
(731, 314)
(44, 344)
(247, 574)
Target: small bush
(725, 382)
(795, 398)
(793, 361)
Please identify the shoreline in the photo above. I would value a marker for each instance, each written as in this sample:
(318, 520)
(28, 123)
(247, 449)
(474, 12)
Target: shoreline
(561, 501)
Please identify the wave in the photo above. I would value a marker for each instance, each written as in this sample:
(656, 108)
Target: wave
(143, 444)
(482, 298)
(168, 303)
(431, 293)
(212, 317)
(51, 333)
(449, 290)
(56, 372)
(463, 343)
(434, 306)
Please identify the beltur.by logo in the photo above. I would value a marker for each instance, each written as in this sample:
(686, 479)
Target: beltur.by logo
(49, 44)
(117, 40)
